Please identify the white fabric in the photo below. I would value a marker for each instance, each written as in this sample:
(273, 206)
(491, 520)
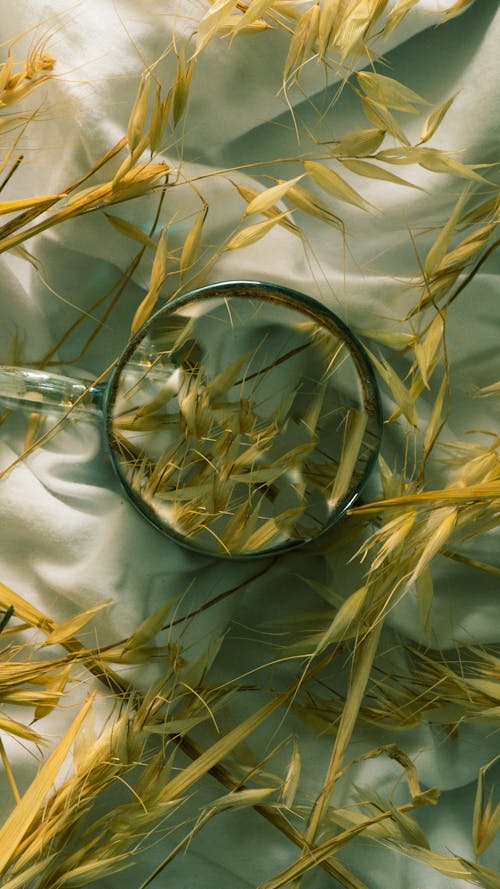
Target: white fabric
(69, 536)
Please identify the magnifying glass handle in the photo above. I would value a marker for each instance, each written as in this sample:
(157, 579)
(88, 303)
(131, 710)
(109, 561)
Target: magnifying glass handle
(43, 392)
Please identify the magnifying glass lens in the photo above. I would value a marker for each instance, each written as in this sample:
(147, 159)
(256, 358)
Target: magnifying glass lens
(243, 423)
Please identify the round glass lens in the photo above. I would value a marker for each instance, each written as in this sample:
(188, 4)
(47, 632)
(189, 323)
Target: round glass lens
(243, 419)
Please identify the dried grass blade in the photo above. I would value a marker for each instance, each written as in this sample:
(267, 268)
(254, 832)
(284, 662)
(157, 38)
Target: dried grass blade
(486, 820)
(242, 799)
(292, 777)
(302, 42)
(29, 203)
(62, 632)
(137, 119)
(439, 161)
(92, 871)
(389, 92)
(209, 758)
(359, 143)
(440, 526)
(303, 200)
(399, 12)
(158, 275)
(331, 182)
(212, 21)
(130, 231)
(268, 198)
(353, 439)
(434, 119)
(192, 243)
(181, 86)
(149, 627)
(18, 730)
(55, 685)
(372, 171)
(253, 233)
(438, 250)
(380, 115)
(402, 396)
(20, 820)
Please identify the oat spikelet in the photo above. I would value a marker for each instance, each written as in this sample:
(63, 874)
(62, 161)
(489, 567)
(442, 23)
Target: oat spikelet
(268, 198)
(158, 275)
(331, 182)
(253, 233)
(192, 243)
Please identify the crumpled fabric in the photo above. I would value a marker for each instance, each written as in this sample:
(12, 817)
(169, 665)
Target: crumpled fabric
(70, 538)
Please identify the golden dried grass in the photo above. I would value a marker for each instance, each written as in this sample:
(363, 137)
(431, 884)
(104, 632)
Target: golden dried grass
(47, 842)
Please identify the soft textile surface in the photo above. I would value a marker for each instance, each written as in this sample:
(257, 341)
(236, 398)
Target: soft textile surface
(70, 539)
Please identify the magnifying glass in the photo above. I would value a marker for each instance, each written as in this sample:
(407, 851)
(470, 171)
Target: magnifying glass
(242, 419)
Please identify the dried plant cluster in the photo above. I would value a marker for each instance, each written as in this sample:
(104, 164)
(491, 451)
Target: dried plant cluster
(50, 835)
(243, 422)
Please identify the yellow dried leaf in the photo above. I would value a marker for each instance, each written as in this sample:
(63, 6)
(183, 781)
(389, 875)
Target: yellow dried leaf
(379, 114)
(372, 171)
(62, 632)
(345, 624)
(354, 430)
(438, 250)
(334, 184)
(150, 626)
(137, 119)
(391, 338)
(270, 529)
(426, 353)
(435, 417)
(192, 242)
(20, 820)
(181, 86)
(292, 777)
(402, 396)
(194, 771)
(159, 117)
(441, 162)
(253, 233)
(389, 92)
(486, 820)
(242, 799)
(424, 589)
(434, 119)
(254, 10)
(398, 12)
(158, 275)
(438, 529)
(302, 42)
(303, 200)
(18, 730)
(28, 203)
(131, 231)
(212, 21)
(55, 684)
(268, 198)
(329, 19)
(360, 143)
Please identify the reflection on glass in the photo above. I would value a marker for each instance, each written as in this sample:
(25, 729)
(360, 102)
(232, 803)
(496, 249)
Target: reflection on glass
(243, 421)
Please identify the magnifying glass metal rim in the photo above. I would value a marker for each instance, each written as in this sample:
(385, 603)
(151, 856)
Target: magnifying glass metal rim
(281, 295)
